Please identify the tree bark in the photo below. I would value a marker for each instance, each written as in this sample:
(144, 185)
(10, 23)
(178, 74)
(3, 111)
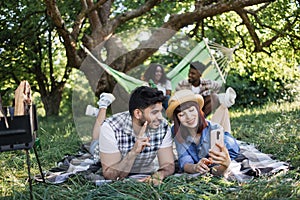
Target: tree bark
(52, 101)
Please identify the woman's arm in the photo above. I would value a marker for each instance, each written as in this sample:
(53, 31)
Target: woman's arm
(222, 159)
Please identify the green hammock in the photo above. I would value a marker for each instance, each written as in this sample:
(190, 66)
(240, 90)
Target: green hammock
(129, 83)
(213, 55)
(201, 52)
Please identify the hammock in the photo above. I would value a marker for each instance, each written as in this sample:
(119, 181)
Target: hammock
(128, 82)
(213, 55)
(201, 52)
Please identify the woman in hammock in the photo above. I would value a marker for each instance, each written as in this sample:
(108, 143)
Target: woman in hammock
(155, 73)
(191, 133)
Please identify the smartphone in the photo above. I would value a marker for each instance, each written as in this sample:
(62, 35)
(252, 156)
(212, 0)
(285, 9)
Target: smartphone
(216, 136)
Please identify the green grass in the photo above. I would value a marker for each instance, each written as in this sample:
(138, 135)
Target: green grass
(273, 129)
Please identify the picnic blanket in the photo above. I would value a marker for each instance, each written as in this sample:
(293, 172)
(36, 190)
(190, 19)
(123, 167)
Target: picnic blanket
(250, 164)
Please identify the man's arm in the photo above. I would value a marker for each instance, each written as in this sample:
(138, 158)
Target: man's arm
(113, 165)
(184, 84)
(215, 86)
(166, 164)
(166, 157)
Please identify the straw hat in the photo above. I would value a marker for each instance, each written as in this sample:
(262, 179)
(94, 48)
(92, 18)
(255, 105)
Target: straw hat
(181, 97)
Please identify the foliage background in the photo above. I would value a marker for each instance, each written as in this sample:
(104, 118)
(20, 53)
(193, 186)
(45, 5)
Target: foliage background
(34, 45)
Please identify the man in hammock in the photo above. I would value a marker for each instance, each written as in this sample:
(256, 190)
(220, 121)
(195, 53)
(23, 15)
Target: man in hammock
(207, 88)
(130, 141)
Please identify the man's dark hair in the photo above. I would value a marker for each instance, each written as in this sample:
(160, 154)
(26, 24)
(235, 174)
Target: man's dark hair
(143, 97)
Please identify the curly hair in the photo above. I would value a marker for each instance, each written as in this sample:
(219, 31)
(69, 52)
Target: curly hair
(150, 73)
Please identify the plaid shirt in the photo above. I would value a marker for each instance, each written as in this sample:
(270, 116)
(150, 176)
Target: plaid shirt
(121, 124)
(206, 86)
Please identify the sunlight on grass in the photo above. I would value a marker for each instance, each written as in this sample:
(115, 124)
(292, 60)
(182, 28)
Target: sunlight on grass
(273, 129)
(268, 108)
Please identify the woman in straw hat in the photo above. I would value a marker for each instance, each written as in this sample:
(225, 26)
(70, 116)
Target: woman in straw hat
(191, 133)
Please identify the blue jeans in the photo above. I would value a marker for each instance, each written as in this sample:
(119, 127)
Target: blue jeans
(165, 102)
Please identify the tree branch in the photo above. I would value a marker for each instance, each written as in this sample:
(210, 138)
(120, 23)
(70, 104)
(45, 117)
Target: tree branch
(88, 9)
(181, 20)
(69, 42)
(279, 33)
(134, 13)
(178, 21)
(79, 20)
(243, 14)
(104, 12)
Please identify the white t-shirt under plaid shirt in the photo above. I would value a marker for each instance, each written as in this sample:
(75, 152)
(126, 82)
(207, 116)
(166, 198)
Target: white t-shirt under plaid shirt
(117, 135)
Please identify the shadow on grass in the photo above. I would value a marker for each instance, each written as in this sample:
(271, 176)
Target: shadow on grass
(273, 131)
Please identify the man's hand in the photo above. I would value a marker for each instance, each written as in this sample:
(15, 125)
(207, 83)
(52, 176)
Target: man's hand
(141, 141)
(154, 179)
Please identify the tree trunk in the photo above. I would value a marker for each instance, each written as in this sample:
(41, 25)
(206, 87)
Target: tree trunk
(52, 101)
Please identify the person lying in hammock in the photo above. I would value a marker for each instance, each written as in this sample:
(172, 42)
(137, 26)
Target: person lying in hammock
(130, 141)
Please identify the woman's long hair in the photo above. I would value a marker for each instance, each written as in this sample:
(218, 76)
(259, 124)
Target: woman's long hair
(181, 132)
(150, 73)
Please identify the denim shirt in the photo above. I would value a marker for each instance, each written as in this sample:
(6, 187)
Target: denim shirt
(189, 152)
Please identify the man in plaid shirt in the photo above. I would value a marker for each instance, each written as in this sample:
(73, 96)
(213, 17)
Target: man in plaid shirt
(130, 141)
(207, 88)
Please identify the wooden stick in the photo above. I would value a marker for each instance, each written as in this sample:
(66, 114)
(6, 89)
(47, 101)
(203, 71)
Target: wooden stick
(22, 99)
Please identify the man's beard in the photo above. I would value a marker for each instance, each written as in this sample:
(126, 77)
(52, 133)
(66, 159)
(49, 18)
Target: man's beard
(142, 121)
(190, 81)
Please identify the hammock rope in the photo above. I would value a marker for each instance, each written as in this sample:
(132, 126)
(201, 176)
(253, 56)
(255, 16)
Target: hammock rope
(180, 71)
(214, 61)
